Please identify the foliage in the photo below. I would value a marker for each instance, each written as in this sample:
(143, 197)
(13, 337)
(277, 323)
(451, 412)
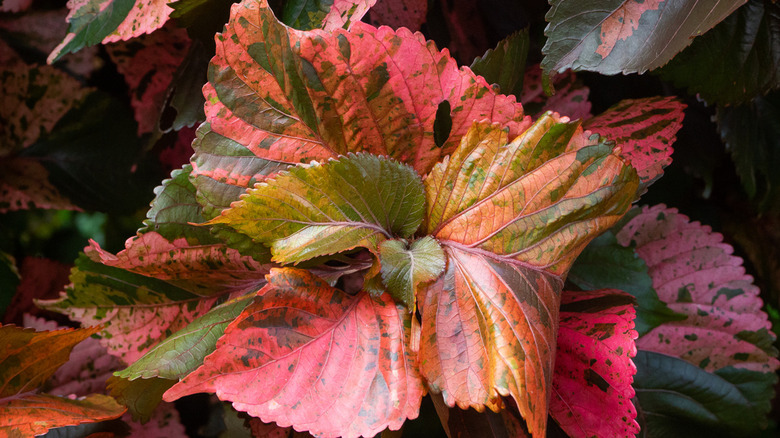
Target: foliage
(361, 229)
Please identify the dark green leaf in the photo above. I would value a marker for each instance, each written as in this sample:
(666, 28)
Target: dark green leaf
(141, 396)
(93, 21)
(605, 264)
(505, 65)
(625, 36)
(677, 399)
(305, 14)
(751, 133)
(741, 57)
(405, 267)
(320, 209)
(184, 104)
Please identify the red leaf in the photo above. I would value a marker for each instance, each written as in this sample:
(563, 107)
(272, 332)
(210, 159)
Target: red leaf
(645, 130)
(373, 90)
(311, 356)
(35, 414)
(694, 272)
(593, 369)
(148, 64)
(405, 13)
(41, 278)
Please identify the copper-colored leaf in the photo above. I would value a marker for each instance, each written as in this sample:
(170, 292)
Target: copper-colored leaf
(593, 369)
(694, 272)
(645, 129)
(511, 217)
(35, 414)
(311, 356)
(277, 96)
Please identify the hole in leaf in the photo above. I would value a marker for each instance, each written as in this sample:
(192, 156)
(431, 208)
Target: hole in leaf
(442, 125)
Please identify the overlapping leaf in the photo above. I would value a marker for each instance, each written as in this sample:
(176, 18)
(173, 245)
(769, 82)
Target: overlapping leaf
(404, 13)
(593, 367)
(625, 36)
(570, 98)
(277, 96)
(405, 267)
(645, 129)
(694, 272)
(511, 217)
(152, 289)
(505, 65)
(311, 356)
(322, 209)
(23, 369)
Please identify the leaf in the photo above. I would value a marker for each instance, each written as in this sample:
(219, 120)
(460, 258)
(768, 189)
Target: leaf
(605, 264)
(625, 36)
(141, 396)
(320, 209)
(740, 55)
(346, 359)
(679, 399)
(645, 130)
(511, 218)
(148, 64)
(164, 422)
(184, 351)
(15, 5)
(24, 368)
(467, 30)
(405, 267)
(750, 134)
(90, 22)
(35, 414)
(24, 185)
(505, 65)
(570, 98)
(40, 278)
(405, 13)
(472, 424)
(344, 13)
(175, 212)
(694, 272)
(372, 90)
(324, 14)
(592, 389)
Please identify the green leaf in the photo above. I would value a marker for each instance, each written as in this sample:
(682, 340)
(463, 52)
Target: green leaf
(182, 352)
(90, 22)
(605, 264)
(678, 399)
(320, 209)
(175, 213)
(625, 36)
(141, 396)
(405, 267)
(751, 133)
(305, 14)
(505, 65)
(741, 57)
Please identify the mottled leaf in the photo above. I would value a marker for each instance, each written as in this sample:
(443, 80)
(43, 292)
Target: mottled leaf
(311, 356)
(182, 352)
(741, 57)
(625, 36)
(148, 64)
(694, 272)
(511, 217)
(505, 65)
(679, 399)
(750, 133)
(320, 209)
(404, 13)
(141, 396)
(373, 90)
(406, 266)
(24, 368)
(645, 129)
(89, 22)
(593, 369)
(35, 414)
(324, 14)
(570, 98)
(605, 264)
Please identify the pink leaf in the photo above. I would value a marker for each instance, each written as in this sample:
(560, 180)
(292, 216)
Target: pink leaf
(343, 13)
(311, 356)
(165, 423)
(15, 5)
(593, 369)
(694, 272)
(570, 98)
(148, 65)
(145, 16)
(645, 130)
